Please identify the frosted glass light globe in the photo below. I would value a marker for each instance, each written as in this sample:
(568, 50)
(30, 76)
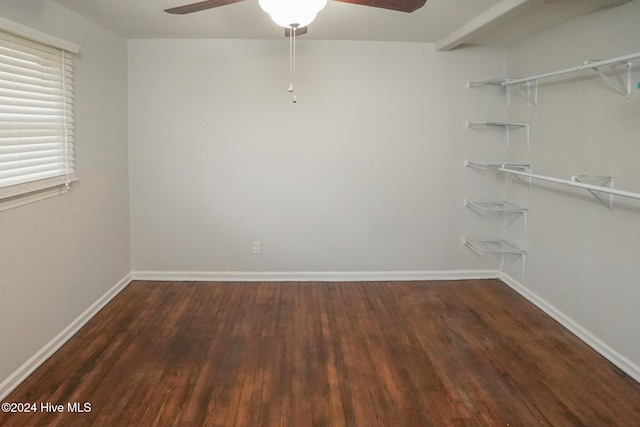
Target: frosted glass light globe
(287, 13)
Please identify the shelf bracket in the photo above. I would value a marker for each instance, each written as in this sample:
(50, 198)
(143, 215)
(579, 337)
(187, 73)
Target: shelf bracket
(499, 206)
(602, 181)
(497, 246)
(619, 84)
(507, 126)
(487, 81)
(528, 90)
(480, 165)
(520, 167)
(523, 257)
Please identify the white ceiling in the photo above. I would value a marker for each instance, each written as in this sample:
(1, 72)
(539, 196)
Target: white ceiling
(438, 19)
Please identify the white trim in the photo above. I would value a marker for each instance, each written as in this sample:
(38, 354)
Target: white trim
(629, 367)
(10, 383)
(307, 276)
(39, 36)
(499, 13)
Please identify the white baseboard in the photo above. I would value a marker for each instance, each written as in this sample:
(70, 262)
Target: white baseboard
(305, 276)
(626, 365)
(9, 384)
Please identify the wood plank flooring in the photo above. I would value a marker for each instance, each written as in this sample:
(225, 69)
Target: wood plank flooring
(467, 353)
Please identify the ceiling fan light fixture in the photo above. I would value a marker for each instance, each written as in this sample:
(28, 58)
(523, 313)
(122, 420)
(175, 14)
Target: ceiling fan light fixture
(289, 13)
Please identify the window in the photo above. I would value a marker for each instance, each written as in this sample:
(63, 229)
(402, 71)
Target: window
(36, 119)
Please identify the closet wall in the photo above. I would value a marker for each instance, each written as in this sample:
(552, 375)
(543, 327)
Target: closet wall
(582, 258)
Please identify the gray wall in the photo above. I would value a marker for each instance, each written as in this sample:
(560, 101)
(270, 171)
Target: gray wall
(58, 256)
(583, 258)
(365, 173)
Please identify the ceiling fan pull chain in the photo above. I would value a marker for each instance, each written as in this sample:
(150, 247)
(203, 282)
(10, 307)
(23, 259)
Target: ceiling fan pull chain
(292, 59)
(295, 28)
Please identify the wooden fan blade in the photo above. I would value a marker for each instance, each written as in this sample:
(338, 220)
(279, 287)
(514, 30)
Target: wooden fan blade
(300, 31)
(197, 7)
(399, 5)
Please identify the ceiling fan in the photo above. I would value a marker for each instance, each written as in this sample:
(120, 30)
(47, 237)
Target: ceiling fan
(295, 15)
(303, 11)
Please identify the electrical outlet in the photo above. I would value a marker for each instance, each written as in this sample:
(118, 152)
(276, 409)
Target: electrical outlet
(256, 248)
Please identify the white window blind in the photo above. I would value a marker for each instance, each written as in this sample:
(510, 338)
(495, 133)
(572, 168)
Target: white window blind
(36, 116)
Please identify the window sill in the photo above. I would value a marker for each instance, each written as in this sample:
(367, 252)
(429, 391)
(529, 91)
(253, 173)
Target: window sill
(26, 199)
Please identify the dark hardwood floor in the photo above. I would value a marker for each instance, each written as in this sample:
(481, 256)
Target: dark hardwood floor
(468, 353)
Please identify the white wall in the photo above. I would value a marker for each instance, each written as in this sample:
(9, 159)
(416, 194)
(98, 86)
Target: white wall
(583, 258)
(365, 173)
(58, 256)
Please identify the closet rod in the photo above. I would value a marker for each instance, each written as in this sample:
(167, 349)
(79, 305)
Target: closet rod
(587, 65)
(574, 184)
